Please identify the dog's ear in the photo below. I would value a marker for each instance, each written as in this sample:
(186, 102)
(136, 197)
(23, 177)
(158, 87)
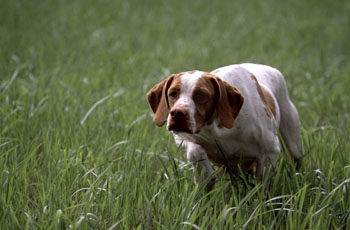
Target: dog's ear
(158, 100)
(229, 101)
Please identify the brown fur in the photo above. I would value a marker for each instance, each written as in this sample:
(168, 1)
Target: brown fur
(158, 100)
(229, 103)
(266, 98)
(205, 111)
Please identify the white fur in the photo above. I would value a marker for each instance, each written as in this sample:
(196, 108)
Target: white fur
(255, 133)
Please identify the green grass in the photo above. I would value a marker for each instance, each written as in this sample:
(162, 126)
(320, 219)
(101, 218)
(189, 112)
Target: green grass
(78, 148)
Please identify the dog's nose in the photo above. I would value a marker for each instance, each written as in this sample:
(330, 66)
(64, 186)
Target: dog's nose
(177, 114)
(179, 120)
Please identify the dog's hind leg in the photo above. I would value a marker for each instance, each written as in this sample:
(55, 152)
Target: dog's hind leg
(290, 130)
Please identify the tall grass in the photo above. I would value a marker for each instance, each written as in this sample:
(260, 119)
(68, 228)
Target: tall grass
(78, 148)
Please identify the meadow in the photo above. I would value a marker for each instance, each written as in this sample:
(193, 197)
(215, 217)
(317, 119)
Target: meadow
(79, 150)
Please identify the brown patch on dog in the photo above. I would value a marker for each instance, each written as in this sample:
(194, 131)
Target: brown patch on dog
(266, 98)
(204, 97)
(229, 100)
(174, 88)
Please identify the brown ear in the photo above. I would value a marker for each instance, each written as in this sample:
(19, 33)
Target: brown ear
(230, 101)
(157, 99)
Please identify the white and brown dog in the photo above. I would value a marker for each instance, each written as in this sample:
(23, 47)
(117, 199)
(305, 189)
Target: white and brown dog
(237, 110)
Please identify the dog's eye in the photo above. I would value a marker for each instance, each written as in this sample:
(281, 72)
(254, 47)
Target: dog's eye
(201, 97)
(173, 94)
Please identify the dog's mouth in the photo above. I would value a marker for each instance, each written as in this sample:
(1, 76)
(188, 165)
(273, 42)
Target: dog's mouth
(180, 126)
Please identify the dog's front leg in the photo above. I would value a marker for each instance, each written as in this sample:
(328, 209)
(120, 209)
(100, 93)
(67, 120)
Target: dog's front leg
(266, 168)
(197, 155)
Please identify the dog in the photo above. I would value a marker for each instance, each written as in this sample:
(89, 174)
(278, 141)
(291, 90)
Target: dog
(232, 116)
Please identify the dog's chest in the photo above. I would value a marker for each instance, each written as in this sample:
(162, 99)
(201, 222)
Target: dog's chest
(232, 145)
(230, 152)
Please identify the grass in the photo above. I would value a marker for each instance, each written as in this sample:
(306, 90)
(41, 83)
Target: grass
(78, 148)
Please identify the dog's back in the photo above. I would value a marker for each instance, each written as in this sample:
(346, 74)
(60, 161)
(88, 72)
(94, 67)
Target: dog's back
(271, 80)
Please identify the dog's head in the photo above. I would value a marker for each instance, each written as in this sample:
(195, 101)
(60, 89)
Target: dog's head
(190, 100)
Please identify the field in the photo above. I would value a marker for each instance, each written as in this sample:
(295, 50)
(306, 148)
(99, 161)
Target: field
(79, 150)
